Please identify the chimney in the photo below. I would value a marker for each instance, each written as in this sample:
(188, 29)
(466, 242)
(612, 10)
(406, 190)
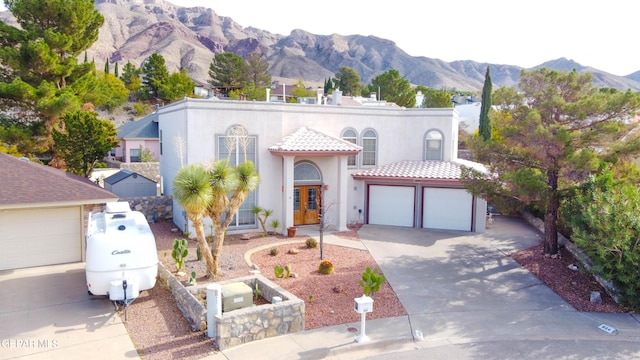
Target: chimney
(337, 97)
(373, 96)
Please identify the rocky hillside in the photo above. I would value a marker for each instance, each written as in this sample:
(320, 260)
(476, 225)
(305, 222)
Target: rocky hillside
(189, 38)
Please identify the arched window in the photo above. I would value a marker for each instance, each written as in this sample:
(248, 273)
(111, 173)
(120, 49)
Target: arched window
(306, 172)
(350, 136)
(433, 145)
(369, 147)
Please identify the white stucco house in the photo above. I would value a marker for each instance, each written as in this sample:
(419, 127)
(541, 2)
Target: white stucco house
(357, 164)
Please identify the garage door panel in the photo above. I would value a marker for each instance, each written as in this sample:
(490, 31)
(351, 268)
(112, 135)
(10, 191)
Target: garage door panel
(37, 237)
(449, 209)
(391, 205)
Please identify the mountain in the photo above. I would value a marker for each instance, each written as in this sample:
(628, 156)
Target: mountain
(190, 37)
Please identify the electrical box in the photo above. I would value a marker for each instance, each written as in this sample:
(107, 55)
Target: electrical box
(363, 304)
(236, 296)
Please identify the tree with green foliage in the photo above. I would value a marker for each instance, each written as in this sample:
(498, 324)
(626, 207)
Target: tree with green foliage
(348, 80)
(228, 70)
(547, 142)
(328, 85)
(154, 73)
(393, 88)
(115, 70)
(106, 66)
(83, 140)
(258, 70)
(106, 92)
(485, 123)
(43, 53)
(434, 98)
(177, 86)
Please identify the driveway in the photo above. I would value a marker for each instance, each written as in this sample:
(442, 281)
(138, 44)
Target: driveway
(46, 313)
(463, 288)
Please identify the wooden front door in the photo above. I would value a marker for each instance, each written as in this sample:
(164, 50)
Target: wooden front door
(306, 205)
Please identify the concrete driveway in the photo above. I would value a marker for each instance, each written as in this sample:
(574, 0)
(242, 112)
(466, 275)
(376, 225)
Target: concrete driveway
(463, 288)
(46, 313)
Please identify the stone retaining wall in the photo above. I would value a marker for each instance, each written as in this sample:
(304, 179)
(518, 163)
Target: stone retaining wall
(192, 309)
(239, 326)
(154, 208)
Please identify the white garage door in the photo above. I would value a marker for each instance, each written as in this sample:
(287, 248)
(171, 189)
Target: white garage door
(449, 209)
(391, 205)
(38, 237)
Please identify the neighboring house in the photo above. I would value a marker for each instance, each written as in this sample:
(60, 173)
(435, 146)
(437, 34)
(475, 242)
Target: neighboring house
(136, 134)
(42, 213)
(126, 183)
(203, 90)
(375, 165)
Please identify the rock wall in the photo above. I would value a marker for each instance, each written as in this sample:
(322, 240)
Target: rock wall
(150, 170)
(154, 208)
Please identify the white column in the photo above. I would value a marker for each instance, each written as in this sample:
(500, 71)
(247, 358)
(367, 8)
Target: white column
(343, 180)
(287, 192)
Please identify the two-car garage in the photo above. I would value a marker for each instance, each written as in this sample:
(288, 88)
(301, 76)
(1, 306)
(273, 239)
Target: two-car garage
(421, 194)
(434, 208)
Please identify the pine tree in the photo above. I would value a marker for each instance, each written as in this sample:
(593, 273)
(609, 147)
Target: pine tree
(485, 122)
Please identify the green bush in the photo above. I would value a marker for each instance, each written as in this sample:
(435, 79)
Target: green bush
(606, 227)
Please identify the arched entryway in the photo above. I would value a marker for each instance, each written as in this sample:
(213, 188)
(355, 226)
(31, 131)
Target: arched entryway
(307, 199)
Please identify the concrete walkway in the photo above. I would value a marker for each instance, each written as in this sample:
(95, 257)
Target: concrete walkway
(466, 299)
(45, 313)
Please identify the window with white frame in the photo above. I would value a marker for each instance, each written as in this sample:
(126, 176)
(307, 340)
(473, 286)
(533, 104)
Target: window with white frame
(350, 136)
(433, 145)
(369, 147)
(237, 146)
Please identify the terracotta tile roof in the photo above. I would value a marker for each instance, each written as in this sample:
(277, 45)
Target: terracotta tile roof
(28, 183)
(309, 141)
(416, 170)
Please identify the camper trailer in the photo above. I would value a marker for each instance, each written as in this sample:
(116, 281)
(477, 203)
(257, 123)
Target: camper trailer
(122, 258)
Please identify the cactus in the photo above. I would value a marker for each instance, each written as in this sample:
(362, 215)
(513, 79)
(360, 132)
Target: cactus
(371, 281)
(278, 271)
(179, 252)
(198, 253)
(326, 267)
(311, 243)
(192, 279)
(274, 252)
(287, 270)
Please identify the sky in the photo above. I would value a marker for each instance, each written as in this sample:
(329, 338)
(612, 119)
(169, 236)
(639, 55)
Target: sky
(600, 34)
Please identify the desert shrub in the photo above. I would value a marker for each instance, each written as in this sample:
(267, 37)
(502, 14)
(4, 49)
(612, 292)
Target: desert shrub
(274, 252)
(311, 243)
(606, 227)
(326, 267)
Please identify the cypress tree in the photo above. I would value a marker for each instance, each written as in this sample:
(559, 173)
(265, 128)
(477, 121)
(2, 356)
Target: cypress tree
(106, 66)
(115, 70)
(485, 123)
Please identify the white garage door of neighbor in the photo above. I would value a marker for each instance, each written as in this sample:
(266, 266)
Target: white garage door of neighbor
(391, 205)
(449, 209)
(38, 237)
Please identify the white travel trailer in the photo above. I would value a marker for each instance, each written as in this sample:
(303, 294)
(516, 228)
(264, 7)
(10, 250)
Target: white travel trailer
(122, 258)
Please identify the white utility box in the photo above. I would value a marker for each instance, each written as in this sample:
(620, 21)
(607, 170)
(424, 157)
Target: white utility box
(236, 296)
(363, 304)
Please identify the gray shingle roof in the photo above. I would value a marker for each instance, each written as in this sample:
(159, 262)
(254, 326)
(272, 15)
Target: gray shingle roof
(121, 175)
(145, 128)
(23, 183)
